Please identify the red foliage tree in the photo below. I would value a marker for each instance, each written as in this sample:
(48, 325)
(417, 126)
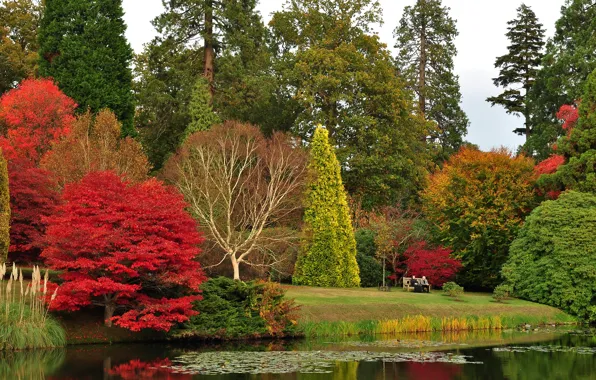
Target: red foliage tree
(434, 263)
(35, 114)
(32, 196)
(128, 248)
(550, 165)
(569, 114)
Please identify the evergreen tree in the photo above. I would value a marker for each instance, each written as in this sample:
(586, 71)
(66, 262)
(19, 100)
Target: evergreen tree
(570, 57)
(200, 109)
(166, 74)
(4, 210)
(328, 256)
(579, 149)
(425, 38)
(239, 65)
(19, 22)
(333, 72)
(83, 47)
(227, 24)
(519, 66)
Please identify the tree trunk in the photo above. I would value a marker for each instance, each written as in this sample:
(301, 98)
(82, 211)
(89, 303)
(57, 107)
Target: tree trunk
(209, 49)
(422, 67)
(236, 266)
(108, 313)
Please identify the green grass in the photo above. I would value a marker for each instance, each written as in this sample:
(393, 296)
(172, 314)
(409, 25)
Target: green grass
(331, 311)
(18, 333)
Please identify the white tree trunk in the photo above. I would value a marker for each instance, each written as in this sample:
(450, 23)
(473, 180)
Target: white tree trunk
(236, 266)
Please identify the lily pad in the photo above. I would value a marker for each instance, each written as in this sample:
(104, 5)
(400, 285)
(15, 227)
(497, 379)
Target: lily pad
(217, 363)
(547, 349)
(403, 343)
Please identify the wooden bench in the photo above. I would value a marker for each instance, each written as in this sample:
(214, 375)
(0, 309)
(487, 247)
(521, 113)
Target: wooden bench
(407, 284)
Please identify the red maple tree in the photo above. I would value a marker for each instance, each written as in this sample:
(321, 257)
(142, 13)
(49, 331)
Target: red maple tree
(35, 114)
(434, 263)
(33, 196)
(569, 114)
(550, 165)
(130, 248)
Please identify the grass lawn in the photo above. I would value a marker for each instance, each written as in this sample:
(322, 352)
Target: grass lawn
(353, 305)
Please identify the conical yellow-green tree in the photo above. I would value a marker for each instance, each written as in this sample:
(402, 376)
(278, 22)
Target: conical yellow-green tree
(4, 210)
(328, 255)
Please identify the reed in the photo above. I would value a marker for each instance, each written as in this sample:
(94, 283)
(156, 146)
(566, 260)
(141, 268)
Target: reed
(409, 324)
(24, 319)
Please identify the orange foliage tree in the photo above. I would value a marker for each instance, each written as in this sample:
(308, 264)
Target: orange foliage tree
(94, 144)
(477, 203)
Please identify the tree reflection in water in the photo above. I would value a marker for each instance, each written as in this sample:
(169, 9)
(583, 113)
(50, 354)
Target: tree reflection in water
(540, 357)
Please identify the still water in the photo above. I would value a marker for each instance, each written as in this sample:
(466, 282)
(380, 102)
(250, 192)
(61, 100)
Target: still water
(553, 354)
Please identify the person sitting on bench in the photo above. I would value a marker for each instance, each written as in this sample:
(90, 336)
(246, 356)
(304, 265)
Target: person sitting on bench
(416, 283)
(425, 285)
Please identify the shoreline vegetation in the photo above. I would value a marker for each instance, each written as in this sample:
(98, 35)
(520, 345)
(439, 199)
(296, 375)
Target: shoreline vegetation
(327, 312)
(367, 311)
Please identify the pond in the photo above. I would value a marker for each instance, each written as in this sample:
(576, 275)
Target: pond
(548, 354)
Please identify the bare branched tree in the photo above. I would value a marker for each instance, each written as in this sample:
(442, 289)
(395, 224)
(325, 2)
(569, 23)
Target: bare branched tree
(239, 184)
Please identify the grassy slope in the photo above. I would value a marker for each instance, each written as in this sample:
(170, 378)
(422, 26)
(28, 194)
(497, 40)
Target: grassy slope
(352, 305)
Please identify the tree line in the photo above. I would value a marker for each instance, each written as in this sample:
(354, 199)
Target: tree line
(261, 131)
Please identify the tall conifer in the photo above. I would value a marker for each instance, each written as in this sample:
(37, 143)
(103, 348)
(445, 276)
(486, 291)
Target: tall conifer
(569, 58)
(328, 256)
(83, 47)
(519, 67)
(425, 39)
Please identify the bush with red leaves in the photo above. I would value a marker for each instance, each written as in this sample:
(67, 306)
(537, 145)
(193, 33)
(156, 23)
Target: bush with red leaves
(434, 263)
(130, 248)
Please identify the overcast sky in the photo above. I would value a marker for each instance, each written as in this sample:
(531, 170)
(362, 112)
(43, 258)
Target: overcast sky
(482, 25)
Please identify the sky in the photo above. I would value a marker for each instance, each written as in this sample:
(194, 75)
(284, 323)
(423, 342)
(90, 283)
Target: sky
(482, 25)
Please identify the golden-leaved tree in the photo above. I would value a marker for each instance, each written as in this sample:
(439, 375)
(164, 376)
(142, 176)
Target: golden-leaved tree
(95, 144)
(328, 256)
(478, 202)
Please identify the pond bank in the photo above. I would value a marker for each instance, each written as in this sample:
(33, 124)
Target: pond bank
(350, 312)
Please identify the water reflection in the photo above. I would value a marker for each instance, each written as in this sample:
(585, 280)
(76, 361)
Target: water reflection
(30, 365)
(542, 356)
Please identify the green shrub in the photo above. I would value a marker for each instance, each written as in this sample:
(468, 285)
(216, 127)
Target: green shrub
(371, 271)
(502, 292)
(552, 260)
(235, 309)
(452, 289)
(365, 242)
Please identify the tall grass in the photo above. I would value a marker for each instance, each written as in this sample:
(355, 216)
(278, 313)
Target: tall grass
(410, 324)
(24, 319)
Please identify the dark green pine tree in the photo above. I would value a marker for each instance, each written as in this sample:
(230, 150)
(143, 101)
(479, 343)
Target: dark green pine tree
(425, 38)
(519, 67)
(570, 57)
(83, 47)
(220, 25)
